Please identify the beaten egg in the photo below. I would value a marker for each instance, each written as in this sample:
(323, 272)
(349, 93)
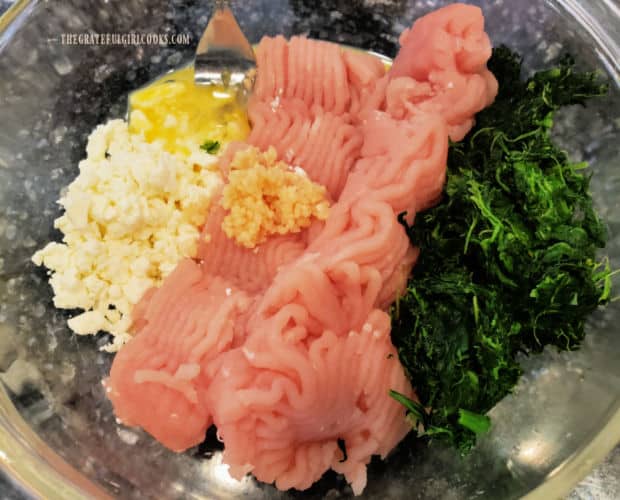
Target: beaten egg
(182, 115)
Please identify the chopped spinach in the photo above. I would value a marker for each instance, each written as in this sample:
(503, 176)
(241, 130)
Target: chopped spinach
(508, 257)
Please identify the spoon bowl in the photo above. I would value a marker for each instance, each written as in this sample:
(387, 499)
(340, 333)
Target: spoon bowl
(224, 56)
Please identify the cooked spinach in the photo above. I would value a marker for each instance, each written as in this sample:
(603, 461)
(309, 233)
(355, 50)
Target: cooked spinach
(508, 257)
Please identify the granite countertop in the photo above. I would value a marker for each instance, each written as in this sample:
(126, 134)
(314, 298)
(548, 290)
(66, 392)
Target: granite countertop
(602, 484)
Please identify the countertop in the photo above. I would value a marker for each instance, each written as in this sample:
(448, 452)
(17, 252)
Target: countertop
(602, 484)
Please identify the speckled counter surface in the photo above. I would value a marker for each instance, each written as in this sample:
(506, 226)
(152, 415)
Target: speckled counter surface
(602, 484)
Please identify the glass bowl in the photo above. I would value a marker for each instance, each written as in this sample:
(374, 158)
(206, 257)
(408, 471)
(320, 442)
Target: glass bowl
(58, 435)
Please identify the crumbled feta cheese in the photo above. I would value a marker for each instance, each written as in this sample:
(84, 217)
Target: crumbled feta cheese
(130, 216)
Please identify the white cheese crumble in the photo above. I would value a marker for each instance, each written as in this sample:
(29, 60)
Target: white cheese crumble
(130, 216)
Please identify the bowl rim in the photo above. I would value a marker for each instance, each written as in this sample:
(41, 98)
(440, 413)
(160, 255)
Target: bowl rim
(40, 472)
(33, 466)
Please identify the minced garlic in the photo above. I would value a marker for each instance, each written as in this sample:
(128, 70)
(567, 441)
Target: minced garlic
(265, 196)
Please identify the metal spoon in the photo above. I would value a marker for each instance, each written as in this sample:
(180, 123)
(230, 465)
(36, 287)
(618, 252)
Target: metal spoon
(224, 56)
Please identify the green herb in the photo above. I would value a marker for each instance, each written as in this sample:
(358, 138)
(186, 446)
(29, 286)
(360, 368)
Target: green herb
(478, 424)
(413, 407)
(211, 147)
(508, 258)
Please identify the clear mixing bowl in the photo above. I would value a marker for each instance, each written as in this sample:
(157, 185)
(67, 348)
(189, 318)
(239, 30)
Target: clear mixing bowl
(58, 435)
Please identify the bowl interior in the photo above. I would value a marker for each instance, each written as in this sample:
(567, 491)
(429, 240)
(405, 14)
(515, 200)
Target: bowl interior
(53, 94)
